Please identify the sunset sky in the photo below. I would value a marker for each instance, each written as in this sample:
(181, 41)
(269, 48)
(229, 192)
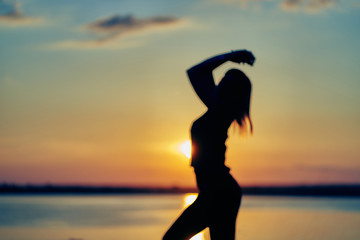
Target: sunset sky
(95, 92)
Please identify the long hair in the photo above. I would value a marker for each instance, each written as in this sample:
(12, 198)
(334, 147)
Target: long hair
(235, 90)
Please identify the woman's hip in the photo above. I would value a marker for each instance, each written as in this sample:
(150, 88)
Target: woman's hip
(221, 183)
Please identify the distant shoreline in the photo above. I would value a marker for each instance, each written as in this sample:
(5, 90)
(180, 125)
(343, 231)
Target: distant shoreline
(300, 190)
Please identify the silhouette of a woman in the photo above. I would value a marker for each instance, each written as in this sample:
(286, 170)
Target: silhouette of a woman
(219, 196)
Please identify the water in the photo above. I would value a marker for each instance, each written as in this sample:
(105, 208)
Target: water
(133, 217)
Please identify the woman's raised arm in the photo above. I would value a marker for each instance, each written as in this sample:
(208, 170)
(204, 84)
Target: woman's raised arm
(201, 76)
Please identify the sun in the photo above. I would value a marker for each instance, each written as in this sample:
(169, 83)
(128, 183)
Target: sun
(185, 148)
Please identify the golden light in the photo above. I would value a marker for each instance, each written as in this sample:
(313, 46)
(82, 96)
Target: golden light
(189, 199)
(199, 236)
(185, 148)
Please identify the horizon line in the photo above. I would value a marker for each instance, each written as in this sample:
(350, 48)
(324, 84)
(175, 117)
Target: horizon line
(304, 190)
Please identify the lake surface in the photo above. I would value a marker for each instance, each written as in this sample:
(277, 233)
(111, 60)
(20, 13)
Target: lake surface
(134, 217)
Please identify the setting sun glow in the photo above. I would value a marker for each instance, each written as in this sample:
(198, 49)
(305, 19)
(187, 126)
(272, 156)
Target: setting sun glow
(185, 148)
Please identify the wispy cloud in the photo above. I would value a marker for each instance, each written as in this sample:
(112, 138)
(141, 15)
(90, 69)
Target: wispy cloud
(120, 25)
(243, 3)
(309, 6)
(291, 5)
(112, 32)
(12, 15)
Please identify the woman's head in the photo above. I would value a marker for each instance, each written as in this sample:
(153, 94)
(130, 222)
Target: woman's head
(234, 93)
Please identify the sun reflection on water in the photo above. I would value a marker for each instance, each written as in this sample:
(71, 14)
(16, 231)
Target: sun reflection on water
(189, 199)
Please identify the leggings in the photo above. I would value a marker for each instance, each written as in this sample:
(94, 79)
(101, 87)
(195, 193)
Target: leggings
(215, 207)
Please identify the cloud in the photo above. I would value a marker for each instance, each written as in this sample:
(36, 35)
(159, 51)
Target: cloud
(312, 6)
(243, 3)
(126, 24)
(12, 15)
(291, 5)
(114, 31)
(109, 43)
(309, 6)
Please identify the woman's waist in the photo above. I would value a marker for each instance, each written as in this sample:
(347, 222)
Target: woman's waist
(214, 163)
(216, 180)
(207, 170)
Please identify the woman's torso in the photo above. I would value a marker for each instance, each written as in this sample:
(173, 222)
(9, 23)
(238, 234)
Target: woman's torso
(208, 137)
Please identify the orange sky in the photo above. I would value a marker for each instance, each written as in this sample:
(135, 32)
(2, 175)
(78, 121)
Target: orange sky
(84, 104)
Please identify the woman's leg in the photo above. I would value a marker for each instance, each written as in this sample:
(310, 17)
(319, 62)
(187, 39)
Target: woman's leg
(192, 221)
(223, 218)
(223, 227)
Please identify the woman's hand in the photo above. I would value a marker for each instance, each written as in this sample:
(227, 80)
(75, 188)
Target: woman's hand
(201, 76)
(241, 56)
